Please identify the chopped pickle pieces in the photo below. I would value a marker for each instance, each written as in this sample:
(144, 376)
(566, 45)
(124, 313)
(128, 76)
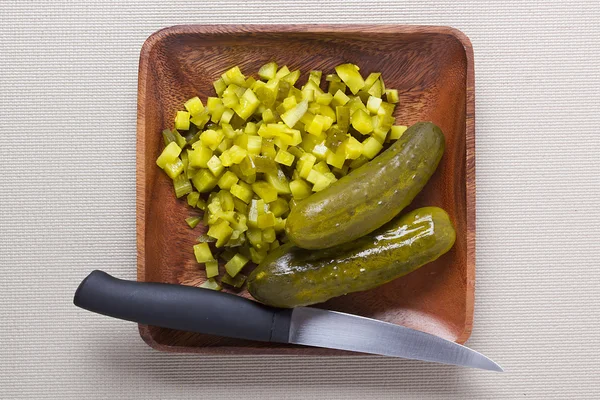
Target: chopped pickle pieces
(193, 221)
(194, 106)
(202, 252)
(268, 71)
(265, 191)
(350, 76)
(168, 155)
(300, 189)
(362, 122)
(235, 265)
(264, 143)
(242, 191)
(220, 231)
(391, 95)
(182, 120)
(193, 198)
(182, 186)
(174, 169)
(204, 181)
(293, 115)
(212, 268)
(211, 284)
(397, 131)
(236, 281)
(227, 180)
(371, 147)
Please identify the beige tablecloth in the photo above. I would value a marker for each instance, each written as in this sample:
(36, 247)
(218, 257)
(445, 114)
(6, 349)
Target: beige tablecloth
(68, 81)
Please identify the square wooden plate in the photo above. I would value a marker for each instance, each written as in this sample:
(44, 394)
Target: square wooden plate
(432, 68)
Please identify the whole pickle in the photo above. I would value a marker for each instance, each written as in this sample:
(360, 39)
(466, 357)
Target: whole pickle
(370, 196)
(291, 276)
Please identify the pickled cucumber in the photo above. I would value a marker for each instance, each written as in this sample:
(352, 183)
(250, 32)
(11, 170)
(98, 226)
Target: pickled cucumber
(290, 276)
(371, 195)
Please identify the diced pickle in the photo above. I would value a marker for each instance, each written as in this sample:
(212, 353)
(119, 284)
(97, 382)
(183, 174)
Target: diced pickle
(285, 158)
(212, 268)
(397, 131)
(168, 136)
(305, 164)
(254, 144)
(391, 95)
(247, 105)
(315, 76)
(324, 99)
(300, 189)
(215, 166)
(293, 115)
(279, 206)
(201, 119)
(336, 86)
(237, 281)
(335, 137)
(265, 191)
(278, 181)
(371, 147)
(204, 181)
(376, 90)
(268, 235)
(268, 71)
(336, 159)
(202, 253)
(371, 79)
(211, 284)
(352, 148)
(320, 151)
(266, 220)
(242, 191)
(322, 167)
(227, 180)
(268, 144)
(361, 121)
(220, 231)
(268, 149)
(292, 77)
(182, 186)
(234, 75)
(257, 255)
(193, 221)
(226, 200)
(219, 86)
(175, 168)
(351, 77)
(194, 106)
(199, 156)
(235, 265)
(168, 155)
(192, 199)
(373, 104)
(283, 71)
(182, 120)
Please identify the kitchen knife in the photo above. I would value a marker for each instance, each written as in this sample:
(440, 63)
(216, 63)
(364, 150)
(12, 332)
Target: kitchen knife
(207, 311)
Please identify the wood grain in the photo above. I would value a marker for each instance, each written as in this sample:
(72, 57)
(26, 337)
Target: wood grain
(432, 68)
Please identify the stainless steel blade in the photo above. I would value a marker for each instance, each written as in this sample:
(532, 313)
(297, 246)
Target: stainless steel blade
(331, 329)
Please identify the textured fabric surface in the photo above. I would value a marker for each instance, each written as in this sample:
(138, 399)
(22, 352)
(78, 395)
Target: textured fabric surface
(68, 81)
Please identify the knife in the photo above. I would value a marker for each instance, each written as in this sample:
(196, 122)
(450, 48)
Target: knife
(210, 312)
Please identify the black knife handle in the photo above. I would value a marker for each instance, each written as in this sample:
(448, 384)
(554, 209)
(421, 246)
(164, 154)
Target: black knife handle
(183, 307)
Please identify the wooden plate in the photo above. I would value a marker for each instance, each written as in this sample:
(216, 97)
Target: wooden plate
(432, 68)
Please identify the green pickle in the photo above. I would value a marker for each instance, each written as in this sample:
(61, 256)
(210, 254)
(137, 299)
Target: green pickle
(291, 277)
(371, 195)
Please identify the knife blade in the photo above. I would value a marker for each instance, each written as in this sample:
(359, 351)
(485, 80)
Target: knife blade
(206, 311)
